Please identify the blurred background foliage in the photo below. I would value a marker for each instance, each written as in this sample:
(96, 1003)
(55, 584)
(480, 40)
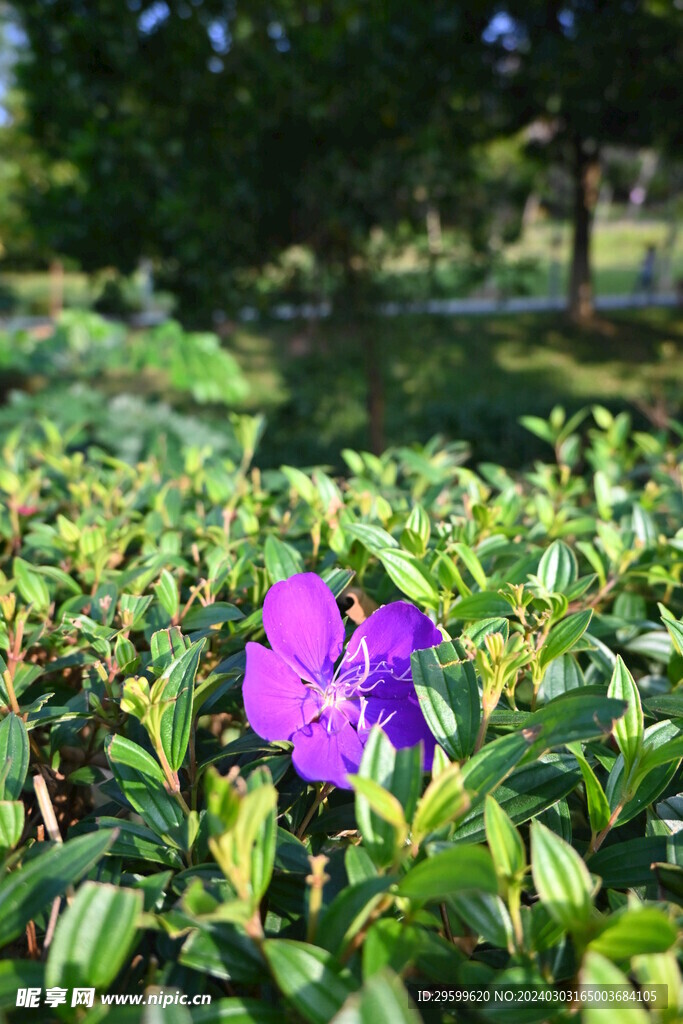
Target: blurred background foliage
(280, 177)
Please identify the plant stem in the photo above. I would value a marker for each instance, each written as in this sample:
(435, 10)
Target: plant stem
(446, 923)
(483, 726)
(321, 795)
(598, 839)
(171, 778)
(14, 656)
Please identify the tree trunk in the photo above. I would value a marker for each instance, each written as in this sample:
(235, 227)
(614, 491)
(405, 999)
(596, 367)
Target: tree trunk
(586, 182)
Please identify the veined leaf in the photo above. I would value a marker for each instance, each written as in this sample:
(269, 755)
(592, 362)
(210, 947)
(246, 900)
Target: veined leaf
(447, 689)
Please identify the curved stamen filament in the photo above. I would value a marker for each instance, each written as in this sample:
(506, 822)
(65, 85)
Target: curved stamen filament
(342, 680)
(381, 721)
(361, 717)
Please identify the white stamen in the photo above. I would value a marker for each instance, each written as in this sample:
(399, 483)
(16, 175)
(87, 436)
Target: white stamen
(386, 721)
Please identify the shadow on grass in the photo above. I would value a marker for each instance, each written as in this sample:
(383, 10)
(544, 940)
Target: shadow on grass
(465, 378)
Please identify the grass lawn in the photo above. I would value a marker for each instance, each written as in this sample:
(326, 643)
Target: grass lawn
(463, 377)
(618, 249)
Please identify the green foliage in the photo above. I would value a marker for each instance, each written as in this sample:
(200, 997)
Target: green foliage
(542, 847)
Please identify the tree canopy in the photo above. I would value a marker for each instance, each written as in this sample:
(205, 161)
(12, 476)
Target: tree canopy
(209, 134)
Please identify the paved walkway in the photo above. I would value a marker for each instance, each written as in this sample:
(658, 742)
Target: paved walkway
(470, 307)
(430, 307)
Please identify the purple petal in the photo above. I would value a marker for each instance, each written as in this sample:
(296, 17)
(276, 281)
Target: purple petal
(323, 754)
(403, 722)
(391, 634)
(276, 701)
(304, 627)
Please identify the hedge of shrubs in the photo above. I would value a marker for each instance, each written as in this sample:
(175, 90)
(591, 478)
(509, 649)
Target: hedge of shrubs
(288, 859)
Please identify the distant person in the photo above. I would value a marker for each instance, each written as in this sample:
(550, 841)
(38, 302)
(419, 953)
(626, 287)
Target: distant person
(646, 275)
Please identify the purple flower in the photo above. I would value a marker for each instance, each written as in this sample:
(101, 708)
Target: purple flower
(295, 692)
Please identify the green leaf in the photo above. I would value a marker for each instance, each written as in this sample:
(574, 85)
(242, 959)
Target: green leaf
(490, 765)
(94, 936)
(655, 644)
(408, 574)
(337, 579)
(31, 888)
(598, 805)
(382, 1000)
(661, 749)
(14, 757)
(478, 631)
(504, 841)
(562, 675)
(562, 880)
(600, 972)
(674, 627)
(486, 915)
(418, 526)
(31, 585)
(399, 773)
(483, 605)
(668, 704)
(453, 870)
(135, 842)
(527, 792)
(142, 782)
(133, 609)
(384, 804)
(236, 1010)
(127, 658)
(350, 910)
(444, 800)
(558, 567)
(628, 863)
(16, 974)
(390, 943)
(282, 560)
(11, 824)
(374, 538)
(603, 494)
(261, 849)
(539, 427)
(301, 483)
(176, 721)
(467, 555)
(203, 617)
(223, 951)
(308, 978)
(564, 635)
(167, 593)
(575, 716)
(634, 931)
(446, 687)
(166, 646)
(628, 730)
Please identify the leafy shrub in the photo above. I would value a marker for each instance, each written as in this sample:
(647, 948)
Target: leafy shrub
(85, 347)
(151, 838)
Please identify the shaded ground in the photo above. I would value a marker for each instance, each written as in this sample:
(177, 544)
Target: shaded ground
(463, 377)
